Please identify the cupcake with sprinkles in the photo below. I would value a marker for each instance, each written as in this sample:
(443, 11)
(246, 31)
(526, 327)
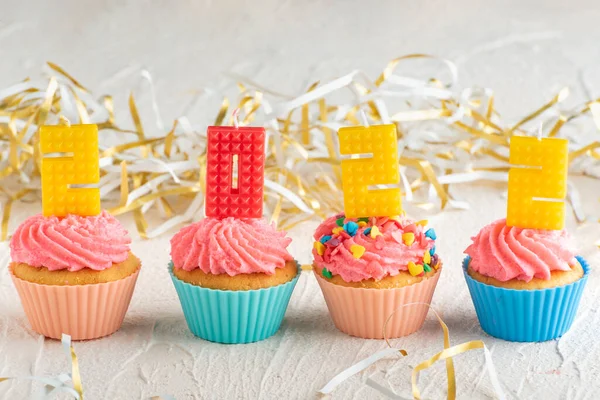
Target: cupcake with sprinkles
(367, 264)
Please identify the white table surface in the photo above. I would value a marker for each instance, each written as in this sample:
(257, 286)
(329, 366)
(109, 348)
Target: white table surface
(526, 51)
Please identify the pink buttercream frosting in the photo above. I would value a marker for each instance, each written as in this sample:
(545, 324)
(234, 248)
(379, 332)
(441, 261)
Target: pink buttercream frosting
(72, 243)
(230, 246)
(385, 255)
(504, 252)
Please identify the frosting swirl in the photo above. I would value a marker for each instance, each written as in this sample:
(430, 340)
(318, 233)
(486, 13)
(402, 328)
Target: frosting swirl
(385, 255)
(72, 243)
(230, 246)
(504, 252)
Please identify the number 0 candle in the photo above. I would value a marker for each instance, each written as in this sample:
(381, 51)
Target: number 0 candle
(231, 148)
(537, 184)
(74, 162)
(359, 173)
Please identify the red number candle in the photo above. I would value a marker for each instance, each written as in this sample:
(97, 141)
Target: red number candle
(224, 196)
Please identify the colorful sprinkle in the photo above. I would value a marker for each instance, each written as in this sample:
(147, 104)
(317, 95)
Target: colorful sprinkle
(408, 238)
(375, 232)
(362, 224)
(415, 269)
(427, 257)
(395, 218)
(325, 239)
(435, 261)
(364, 219)
(320, 247)
(333, 242)
(367, 231)
(432, 251)
(357, 250)
(340, 221)
(351, 227)
(423, 222)
(431, 234)
(337, 231)
(426, 268)
(326, 273)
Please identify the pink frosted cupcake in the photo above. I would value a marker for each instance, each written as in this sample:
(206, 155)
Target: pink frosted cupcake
(234, 278)
(74, 275)
(369, 267)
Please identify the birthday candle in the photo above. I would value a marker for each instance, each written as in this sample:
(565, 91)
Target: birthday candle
(358, 174)
(77, 165)
(231, 148)
(537, 185)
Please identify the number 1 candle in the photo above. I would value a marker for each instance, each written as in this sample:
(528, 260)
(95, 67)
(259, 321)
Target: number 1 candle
(537, 185)
(224, 196)
(358, 174)
(78, 165)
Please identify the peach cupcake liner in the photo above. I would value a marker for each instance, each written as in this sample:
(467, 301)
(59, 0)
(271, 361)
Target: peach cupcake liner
(83, 311)
(363, 312)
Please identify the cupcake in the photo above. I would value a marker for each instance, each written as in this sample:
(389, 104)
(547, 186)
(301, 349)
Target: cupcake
(526, 284)
(74, 275)
(368, 268)
(234, 278)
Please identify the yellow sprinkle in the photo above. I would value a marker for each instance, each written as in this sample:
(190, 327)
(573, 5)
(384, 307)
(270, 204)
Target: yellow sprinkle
(362, 224)
(423, 222)
(320, 247)
(427, 257)
(337, 230)
(357, 250)
(408, 238)
(375, 232)
(395, 218)
(415, 269)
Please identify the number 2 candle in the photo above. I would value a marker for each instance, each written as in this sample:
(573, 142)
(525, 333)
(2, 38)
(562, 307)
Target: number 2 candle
(358, 174)
(75, 162)
(537, 184)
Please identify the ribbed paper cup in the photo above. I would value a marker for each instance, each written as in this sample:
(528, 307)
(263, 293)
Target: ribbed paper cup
(82, 311)
(233, 316)
(363, 312)
(526, 315)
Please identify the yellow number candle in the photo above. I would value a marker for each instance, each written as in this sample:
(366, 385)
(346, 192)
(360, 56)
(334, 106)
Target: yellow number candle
(359, 174)
(78, 167)
(537, 182)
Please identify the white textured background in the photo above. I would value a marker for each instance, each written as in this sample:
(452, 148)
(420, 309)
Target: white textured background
(524, 50)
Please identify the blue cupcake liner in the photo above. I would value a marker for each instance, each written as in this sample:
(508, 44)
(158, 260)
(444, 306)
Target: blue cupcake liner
(233, 317)
(526, 315)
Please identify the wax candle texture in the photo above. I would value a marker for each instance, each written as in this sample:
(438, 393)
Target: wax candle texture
(358, 174)
(223, 197)
(78, 166)
(537, 182)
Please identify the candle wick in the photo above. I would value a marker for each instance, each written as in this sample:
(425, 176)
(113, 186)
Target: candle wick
(62, 120)
(363, 116)
(540, 132)
(236, 122)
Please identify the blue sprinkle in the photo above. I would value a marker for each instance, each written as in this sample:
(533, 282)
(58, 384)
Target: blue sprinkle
(367, 231)
(351, 227)
(325, 239)
(432, 251)
(431, 234)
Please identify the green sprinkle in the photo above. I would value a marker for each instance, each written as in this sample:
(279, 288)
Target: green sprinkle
(364, 219)
(340, 221)
(326, 273)
(426, 268)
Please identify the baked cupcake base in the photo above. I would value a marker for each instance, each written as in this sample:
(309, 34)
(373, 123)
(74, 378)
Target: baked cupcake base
(362, 312)
(526, 315)
(84, 312)
(234, 316)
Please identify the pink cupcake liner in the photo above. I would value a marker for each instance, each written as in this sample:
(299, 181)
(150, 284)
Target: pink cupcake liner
(82, 311)
(363, 312)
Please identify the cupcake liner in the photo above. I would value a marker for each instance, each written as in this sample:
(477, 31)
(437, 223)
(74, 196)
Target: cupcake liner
(231, 316)
(82, 311)
(526, 315)
(363, 312)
